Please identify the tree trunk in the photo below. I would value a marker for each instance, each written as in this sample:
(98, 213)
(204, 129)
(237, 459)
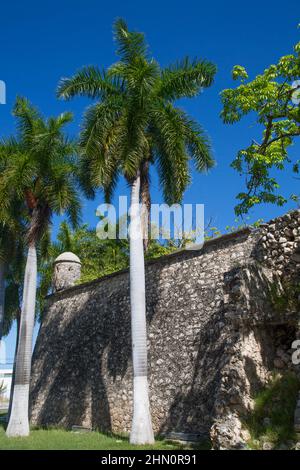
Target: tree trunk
(146, 203)
(18, 422)
(141, 430)
(2, 296)
(18, 319)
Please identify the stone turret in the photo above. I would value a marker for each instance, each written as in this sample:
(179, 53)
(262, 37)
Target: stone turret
(67, 270)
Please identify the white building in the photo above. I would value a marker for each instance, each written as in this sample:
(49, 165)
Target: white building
(5, 379)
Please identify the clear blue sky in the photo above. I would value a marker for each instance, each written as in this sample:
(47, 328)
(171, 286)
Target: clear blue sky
(44, 41)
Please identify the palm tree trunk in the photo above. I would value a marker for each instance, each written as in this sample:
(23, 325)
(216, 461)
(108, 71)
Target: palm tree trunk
(146, 203)
(2, 296)
(18, 319)
(141, 430)
(18, 422)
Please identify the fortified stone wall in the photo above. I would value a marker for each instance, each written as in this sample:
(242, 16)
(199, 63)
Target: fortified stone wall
(214, 332)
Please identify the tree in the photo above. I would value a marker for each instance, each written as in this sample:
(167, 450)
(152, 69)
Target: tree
(135, 124)
(11, 251)
(41, 171)
(12, 284)
(274, 98)
(11, 257)
(13, 297)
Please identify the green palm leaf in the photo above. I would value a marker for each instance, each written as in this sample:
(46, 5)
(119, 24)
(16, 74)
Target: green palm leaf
(135, 118)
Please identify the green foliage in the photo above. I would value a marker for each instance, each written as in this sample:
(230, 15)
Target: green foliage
(273, 97)
(213, 232)
(285, 297)
(135, 119)
(98, 257)
(239, 72)
(272, 419)
(38, 178)
(39, 170)
(12, 222)
(156, 249)
(12, 227)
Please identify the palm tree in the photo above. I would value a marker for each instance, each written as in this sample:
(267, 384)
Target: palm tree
(13, 296)
(135, 124)
(41, 171)
(11, 258)
(10, 262)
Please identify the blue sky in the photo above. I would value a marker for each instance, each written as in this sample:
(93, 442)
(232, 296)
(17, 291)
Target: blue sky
(44, 41)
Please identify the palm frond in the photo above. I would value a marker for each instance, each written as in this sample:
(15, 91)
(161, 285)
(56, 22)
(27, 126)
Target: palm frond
(186, 78)
(98, 122)
(135, 120)
(65, 237)
(110, 185)
(130, 44)
(89, 82)
(169, 136)
(57, 123)
(28, 118)
(198, 144)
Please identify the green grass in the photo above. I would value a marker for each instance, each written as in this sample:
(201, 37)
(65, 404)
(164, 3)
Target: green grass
(272, 419)
(57, 439)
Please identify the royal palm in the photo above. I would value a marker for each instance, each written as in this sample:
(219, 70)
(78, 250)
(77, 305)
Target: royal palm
(133, 125)
(41, 170)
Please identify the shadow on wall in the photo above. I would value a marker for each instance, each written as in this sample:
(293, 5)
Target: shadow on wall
(69, 387)
(191, 410)
(222, 377)
(236, 350)
(86, 380)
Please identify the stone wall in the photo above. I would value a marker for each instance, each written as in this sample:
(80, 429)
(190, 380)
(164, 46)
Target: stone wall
(212, 329)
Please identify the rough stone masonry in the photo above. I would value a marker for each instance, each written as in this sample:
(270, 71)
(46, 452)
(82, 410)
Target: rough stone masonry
(218, 325)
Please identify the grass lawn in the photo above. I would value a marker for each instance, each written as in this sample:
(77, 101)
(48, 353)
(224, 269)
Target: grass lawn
(57, 439)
